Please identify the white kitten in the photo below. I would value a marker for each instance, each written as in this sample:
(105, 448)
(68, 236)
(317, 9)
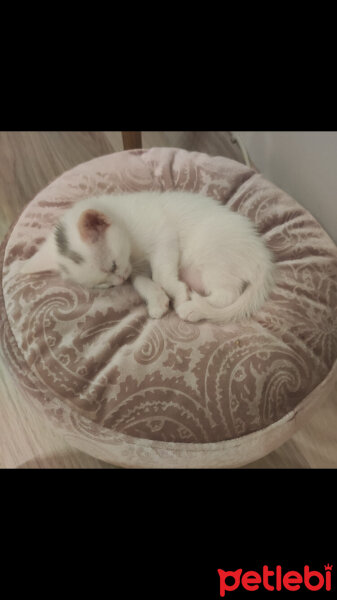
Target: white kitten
(177, 245)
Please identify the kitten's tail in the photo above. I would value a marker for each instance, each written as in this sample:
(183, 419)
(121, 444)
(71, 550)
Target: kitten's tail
(249, 302)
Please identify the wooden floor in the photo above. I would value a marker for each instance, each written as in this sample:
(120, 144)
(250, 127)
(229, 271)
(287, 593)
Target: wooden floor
(28, 162)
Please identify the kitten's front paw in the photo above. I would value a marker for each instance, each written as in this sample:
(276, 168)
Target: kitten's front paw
(158, 305)
(189, 312)
(182, 294)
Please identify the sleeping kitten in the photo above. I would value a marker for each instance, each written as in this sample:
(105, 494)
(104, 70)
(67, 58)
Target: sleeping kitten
(177, 245)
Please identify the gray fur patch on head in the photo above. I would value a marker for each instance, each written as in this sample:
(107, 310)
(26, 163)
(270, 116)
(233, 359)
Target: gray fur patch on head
(62, 244)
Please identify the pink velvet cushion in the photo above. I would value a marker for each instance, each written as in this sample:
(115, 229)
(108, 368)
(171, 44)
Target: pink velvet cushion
(143, 392)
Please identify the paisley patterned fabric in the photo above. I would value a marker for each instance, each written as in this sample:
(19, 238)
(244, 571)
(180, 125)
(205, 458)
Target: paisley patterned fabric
(143, 392)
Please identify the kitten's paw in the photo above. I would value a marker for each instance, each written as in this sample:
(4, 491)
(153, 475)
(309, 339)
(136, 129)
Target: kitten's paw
(189, 312)
(182, 294)
(158, 305)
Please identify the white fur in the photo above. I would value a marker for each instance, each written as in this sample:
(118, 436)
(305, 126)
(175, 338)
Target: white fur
(167, 239)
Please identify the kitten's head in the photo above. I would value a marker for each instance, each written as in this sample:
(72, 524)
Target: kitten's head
(90, 250)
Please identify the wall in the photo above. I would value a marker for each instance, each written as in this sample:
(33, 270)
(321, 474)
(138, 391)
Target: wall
(304, 164)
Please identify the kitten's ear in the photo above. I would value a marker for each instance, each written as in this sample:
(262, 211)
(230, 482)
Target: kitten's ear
(43, 260)
(92, 225)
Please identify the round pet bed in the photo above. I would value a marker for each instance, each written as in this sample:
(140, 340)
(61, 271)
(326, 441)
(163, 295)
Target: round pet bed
(139, 392)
